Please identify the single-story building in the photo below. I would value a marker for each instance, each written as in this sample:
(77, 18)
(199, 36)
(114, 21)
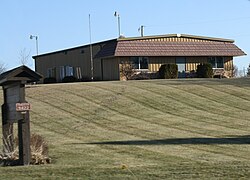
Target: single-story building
(146, 54)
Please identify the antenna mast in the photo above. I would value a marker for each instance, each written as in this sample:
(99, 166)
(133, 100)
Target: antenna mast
(91, 51)
(142, 30)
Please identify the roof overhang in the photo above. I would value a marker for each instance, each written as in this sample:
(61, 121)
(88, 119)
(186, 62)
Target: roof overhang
(177, 36)
(21, 74)
(165, 48)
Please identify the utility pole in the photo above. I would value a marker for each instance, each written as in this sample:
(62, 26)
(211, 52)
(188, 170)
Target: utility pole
(91, 50)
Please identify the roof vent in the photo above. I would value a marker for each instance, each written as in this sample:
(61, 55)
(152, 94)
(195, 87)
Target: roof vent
(122, 36)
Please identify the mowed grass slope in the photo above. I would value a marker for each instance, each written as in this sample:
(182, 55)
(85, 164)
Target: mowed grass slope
(181, 129)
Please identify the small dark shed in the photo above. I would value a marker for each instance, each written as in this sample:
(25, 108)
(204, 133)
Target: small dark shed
(19, 74)
(15, 109)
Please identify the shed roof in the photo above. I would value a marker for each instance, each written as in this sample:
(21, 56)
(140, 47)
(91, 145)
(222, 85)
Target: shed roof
(21, 73)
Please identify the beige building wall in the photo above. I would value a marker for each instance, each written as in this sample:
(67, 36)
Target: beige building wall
(154, 63)
(110, 69)
(76, 58)
(176, 39)
(191, 62)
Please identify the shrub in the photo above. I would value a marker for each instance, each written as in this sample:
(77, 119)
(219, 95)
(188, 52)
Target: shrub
(39, 150)
(168, 71)
(49, 80)
(38, 147)
(205, 70)
(68, 79)
(126, 70)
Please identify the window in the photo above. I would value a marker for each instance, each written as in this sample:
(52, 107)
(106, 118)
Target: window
(62, 72)
(51, 72)
(139, 63)
(66, 71)
(217, 62)
(69, 71)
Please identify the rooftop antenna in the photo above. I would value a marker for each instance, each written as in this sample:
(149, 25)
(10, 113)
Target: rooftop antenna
(142, 30)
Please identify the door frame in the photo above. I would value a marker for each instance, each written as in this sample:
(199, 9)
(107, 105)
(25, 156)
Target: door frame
(182, 61)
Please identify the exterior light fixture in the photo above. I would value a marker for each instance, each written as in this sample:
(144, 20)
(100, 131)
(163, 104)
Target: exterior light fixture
(36, 38)
(116, 14)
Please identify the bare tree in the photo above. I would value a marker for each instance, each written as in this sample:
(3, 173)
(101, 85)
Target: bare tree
(235, 71)
(2, 68)
(248, 71)
(24, 56)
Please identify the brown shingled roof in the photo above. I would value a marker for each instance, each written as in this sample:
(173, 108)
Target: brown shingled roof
(108, 50)
(164, 48)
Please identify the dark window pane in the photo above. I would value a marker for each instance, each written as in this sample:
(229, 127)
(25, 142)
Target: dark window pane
(139, 62)
(135, 62)
(220, 62)
(211, 60)
(143, 63)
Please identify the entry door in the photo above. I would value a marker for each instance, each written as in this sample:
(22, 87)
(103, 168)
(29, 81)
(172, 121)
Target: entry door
(181, 63)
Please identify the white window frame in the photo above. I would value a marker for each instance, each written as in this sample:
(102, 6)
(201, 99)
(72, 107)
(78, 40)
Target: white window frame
(215, 59)
(139, 59)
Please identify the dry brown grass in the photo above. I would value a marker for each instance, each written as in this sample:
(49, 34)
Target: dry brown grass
(39, 150)
(38, 147)
(160, 129)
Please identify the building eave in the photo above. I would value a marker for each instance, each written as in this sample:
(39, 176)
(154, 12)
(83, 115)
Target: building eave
(177, 36)
(73, 48)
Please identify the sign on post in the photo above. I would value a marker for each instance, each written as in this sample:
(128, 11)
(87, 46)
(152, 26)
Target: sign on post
(23, 107)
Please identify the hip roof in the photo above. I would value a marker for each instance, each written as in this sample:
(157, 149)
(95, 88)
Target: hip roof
(165, 48)
(170, 45)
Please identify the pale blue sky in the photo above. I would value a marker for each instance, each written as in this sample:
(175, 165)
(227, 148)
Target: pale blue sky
(64, 24)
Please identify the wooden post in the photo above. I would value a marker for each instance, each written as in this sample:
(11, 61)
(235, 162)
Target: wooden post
(24, 139)
(24, 132)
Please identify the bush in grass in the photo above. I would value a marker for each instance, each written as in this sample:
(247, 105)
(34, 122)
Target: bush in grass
(205, 70)
(49, 80)
(39, 150)
(38, 147)
(168, 71)
(126, 70)
(68, 79)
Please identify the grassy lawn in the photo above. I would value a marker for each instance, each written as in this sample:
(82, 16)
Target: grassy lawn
(159, 129)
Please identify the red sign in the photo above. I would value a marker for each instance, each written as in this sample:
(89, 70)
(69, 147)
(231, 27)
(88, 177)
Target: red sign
(23, 106)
